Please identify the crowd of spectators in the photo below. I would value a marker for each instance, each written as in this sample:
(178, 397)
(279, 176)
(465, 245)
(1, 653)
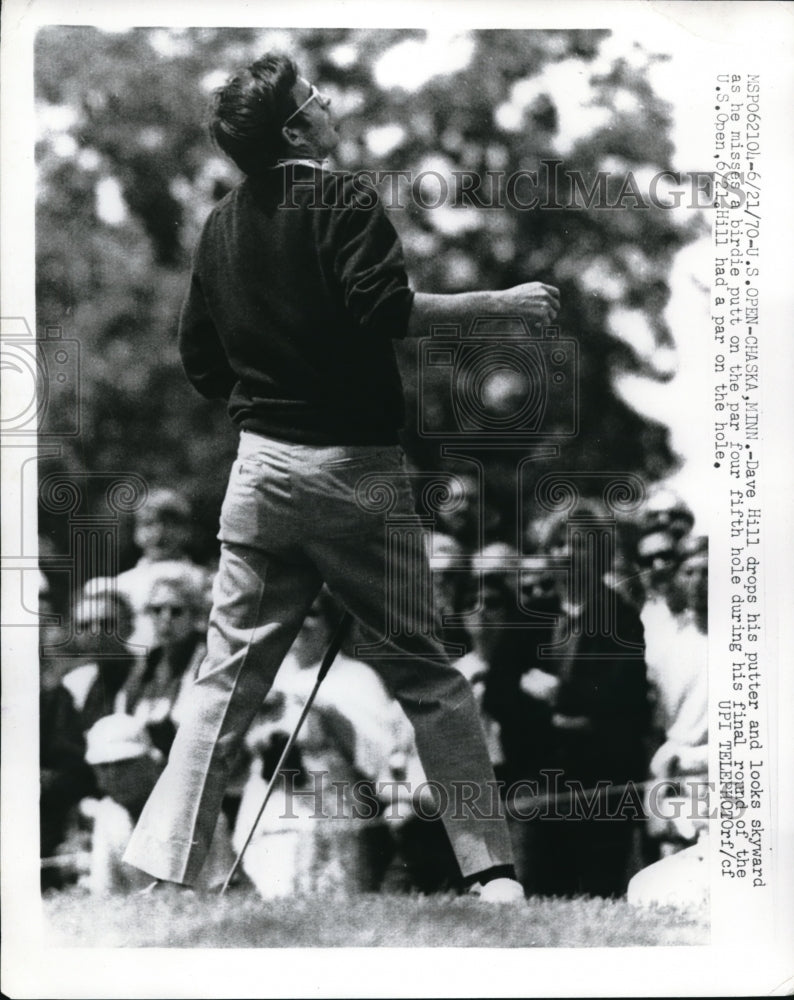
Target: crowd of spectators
(586, 648)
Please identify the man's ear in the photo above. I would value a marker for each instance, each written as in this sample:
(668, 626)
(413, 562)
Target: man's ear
(291, 136)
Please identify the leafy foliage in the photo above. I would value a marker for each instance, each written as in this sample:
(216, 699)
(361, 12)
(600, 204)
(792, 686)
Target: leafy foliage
(127, 175)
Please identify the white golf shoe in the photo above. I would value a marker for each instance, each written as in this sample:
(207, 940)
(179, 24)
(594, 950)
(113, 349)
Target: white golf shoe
(499, 890)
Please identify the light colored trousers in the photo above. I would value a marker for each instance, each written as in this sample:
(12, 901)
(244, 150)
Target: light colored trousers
(291, 521)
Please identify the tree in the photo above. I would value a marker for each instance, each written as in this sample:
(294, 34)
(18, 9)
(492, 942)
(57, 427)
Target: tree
(127, 175)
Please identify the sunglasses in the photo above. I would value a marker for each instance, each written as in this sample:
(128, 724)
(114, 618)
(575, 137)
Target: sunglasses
(545, 584)
(651, 558)
(173, 609)
(95, 625)
(314, 95)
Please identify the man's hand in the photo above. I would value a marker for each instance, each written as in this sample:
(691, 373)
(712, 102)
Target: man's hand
(665, 762)
(536, 302)
(540, 685)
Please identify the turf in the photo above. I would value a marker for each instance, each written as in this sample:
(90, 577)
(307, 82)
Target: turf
(242, 920)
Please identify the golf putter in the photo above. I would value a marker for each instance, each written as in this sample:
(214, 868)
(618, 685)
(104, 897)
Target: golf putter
(330, 655)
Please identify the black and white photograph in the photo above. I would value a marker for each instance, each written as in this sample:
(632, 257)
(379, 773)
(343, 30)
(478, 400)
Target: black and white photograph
(396, 499)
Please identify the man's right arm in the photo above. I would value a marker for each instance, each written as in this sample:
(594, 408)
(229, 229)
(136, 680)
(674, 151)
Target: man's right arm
(536, 302)
(203, 357)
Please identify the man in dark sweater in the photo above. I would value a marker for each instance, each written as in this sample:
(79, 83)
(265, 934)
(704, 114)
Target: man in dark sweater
(297, 291)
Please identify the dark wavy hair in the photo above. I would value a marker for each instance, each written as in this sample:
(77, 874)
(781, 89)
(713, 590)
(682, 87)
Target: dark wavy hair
(250, 109)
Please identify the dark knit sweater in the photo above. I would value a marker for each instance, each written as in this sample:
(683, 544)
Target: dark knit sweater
(298, 289)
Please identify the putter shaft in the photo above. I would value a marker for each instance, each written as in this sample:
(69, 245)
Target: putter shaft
(329, 657)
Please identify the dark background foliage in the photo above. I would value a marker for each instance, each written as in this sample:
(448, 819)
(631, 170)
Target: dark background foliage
(122, 123)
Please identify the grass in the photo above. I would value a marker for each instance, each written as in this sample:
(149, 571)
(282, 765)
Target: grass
(242, 920)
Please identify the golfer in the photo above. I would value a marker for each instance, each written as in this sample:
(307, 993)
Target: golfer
(297, 291)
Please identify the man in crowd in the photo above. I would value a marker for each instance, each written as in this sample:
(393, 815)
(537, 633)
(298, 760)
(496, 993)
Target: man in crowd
(63, 774)
(573, 698)
(126, 764)
(663, 510)
(102, 624)
(297, 290)
(162, 533)
(678, 674)
(322, 831)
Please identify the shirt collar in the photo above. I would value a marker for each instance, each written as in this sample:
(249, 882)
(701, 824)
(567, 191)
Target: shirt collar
(315, 164)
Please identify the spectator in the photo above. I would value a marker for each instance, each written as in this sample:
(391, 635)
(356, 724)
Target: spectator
(306, 840)
(351, 688)
(400, 851)
(690, 585)
(657, 557)
(523, 720)
(162, 533)
(450, 579)
(662, 523)
(680, 880)
(623, 577)
(53, 596)
(500, 656)
(126, 765)
(467, 518)
(665, 511)
(318, 838)
(102, 622)
(51, 665)
(496, 649)
(155, 692)
(584, 700)
(64, 776)
(679, 678)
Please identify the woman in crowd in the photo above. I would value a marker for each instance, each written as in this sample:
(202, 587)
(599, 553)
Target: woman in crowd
(155, 692)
